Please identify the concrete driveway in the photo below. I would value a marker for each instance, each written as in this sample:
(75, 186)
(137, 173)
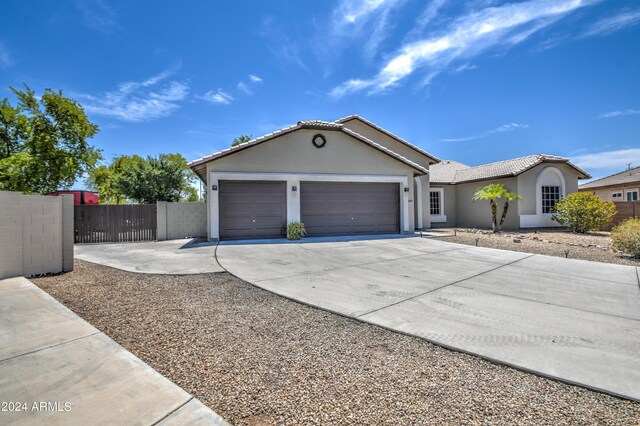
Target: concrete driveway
(174, 257)
(50, 356)
(574, 320)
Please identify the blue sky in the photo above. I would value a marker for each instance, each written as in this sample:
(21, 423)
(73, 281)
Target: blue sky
(474, 81)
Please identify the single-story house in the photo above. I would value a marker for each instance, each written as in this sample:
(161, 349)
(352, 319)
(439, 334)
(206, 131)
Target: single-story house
(352, 176)
(623, 186)
(541, 180)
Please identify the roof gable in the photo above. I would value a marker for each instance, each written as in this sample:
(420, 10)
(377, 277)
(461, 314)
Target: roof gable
(199, 166)
(374, 126)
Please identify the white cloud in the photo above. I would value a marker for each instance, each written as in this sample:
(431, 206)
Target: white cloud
(464, 38)
(608, 159)
(246, 87)
(5, 57)
(99, 16)
(242, 86)
(280, 44)
(351, 12)
(218, 97)
(363, 21)
(500, 129)
(133, 101)
(614, 114)
(613, 23)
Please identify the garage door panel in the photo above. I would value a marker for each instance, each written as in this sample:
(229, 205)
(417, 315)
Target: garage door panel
(340, 208)
(252, 209)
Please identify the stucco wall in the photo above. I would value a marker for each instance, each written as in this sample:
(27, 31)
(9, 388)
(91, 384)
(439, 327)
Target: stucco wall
(477, 214)
(605, 193)
(36, 234)
(387, 141)
(181, 220)
(422, 183)
(294, 153)
(527, 185)
(449, 194)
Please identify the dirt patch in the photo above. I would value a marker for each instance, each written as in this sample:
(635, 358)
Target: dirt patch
(594, 246)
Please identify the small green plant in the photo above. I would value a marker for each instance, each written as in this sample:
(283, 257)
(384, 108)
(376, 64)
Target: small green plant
(626, 237)
(493, 193)
(582, 212)
(295, 230)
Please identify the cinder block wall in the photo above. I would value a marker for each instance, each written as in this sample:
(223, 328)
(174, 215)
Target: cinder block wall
(181, 220)
(36, 234)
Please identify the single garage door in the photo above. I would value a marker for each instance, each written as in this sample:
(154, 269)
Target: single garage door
(342, 208)
(251, 209)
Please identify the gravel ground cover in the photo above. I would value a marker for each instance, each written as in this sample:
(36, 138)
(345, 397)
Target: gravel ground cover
(259, 359)
(594, 246)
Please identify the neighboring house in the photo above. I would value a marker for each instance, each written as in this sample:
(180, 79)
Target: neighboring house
(353, 177)
(541, 180)
(623, 186)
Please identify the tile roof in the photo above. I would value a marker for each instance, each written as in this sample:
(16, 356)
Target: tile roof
(452, 172)
(621, 178)
(199, 165)
(386, 132)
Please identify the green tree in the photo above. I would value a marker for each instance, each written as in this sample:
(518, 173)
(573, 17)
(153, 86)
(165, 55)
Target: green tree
(241, 139)
(145, 180)
(582, 212)
(43, 142)
(493, 193)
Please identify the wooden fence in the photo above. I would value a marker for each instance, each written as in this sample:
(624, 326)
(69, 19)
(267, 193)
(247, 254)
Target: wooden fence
(115, 223)
(626, 210)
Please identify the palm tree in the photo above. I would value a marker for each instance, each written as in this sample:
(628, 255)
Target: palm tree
(508, 196)
(493, 193)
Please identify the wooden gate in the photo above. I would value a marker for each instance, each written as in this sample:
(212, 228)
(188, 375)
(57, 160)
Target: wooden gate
(114, 223)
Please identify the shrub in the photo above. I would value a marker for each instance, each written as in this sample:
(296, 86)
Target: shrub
(582, 212)
(626, 237)
(295, 230)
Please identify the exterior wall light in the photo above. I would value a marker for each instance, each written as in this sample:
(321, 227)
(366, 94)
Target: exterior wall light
(406, 189)
(214, 187)
(294, 188)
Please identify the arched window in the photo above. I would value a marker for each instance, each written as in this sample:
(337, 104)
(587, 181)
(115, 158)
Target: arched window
(550, 188)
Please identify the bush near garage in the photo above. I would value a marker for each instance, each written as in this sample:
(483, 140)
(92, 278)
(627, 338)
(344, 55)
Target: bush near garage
(582, 212)
(626, 237)
(295, 230)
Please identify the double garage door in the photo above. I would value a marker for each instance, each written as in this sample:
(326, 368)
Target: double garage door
(258, 209)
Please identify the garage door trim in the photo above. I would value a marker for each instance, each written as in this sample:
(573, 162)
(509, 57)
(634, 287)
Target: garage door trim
(293, 198)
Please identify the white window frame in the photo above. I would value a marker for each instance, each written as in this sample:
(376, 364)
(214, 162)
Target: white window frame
(540, 219)
(542, 197)
(617, 195)
(540, 182)
(635, 191)
(442, 217)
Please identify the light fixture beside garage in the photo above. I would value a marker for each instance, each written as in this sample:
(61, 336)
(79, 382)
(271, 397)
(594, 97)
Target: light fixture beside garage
(319, 141)
(294, 188)
(214, 187)
(406, 189)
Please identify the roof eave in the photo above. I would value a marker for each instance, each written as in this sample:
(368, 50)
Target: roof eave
(388, 133)
(199, 166)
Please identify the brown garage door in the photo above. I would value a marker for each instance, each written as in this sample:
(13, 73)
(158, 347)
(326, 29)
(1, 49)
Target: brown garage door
(341, 208)
(252, 209)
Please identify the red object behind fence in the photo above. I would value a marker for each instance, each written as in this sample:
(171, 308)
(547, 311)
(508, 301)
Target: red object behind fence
(81, 197)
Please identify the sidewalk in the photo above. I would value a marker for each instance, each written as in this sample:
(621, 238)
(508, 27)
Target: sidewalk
(55, 368)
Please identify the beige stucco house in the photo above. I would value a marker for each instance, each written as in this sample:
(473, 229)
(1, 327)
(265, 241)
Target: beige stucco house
(353, 177)
(623, 186)
(541, 180)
